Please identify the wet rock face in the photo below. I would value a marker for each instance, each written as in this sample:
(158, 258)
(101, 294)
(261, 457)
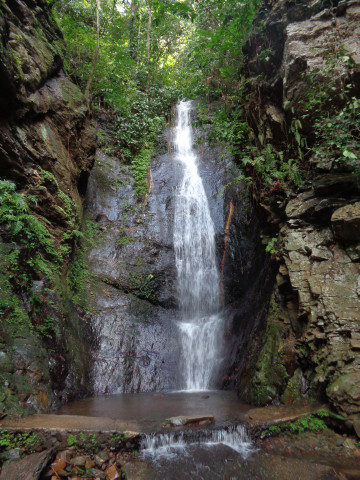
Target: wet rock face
(44, 120)
(47, 145)
(134, 298)
(318, 279)
(135, 290)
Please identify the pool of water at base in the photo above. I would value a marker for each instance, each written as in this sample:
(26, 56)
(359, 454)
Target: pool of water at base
(153, 408)
(222, 451)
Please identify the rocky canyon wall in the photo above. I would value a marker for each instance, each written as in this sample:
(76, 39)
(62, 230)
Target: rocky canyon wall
(303, 66)
(47, 145)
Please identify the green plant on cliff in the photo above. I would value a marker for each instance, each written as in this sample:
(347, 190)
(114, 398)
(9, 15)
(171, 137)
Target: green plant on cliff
(78, 277)
(140, 167)
(271, 246)
(143, 285)
(20, 226)
(335, 111)
(339, 134)
(13, 315)
(48, 328)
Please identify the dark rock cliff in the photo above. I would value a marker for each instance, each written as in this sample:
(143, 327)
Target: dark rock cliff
(133, 292)
(301, 59)
(47, 145)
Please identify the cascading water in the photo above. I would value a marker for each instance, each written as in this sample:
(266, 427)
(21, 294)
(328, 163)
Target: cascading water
(198, 277)
(157, 445)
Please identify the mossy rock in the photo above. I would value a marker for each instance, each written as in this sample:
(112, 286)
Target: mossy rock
(270, 376)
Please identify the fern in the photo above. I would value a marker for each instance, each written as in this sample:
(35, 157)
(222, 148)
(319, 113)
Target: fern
(24, 228)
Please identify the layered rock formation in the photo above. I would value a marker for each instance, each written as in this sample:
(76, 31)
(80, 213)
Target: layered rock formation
(47, 145)
(315, 313)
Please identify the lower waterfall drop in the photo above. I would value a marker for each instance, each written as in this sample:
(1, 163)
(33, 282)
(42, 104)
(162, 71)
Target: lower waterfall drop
(168, 445)
(197, 273)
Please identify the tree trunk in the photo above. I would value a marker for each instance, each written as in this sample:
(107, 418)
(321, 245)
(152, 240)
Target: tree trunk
(139, 33)
(132, 40)
(148, 43)
(88, 85)
(148, 47)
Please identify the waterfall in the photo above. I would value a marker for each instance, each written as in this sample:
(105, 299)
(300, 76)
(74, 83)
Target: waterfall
(156, 445)
(197, 273)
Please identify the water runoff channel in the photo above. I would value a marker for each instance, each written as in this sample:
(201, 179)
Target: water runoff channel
(200, 327)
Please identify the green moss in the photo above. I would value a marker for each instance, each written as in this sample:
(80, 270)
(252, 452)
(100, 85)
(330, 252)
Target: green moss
(78, 275)
(292, 390)
(71, 94)
(126, 240)
(310, 423)
(14, 319)
(270, 376)
(140, 167)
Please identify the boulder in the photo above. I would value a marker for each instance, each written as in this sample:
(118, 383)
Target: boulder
(345, 222)
(192, 420)
(29, 468)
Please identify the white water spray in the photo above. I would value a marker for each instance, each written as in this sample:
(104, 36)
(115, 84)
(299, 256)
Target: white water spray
(169, 445)
(198, 277)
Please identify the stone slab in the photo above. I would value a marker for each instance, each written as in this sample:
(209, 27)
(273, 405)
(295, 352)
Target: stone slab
(69, 423)
(29, 468)
(279, 414)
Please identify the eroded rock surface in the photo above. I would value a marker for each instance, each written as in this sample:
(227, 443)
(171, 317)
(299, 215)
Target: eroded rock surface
(314, 324)
(47, 145)
(134, 293)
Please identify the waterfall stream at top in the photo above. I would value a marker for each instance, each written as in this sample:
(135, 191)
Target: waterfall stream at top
(198, 276)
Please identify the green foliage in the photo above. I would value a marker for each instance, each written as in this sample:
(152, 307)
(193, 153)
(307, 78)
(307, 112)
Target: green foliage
(338, 135)
(333, 109)
(92, 439)
(126, 240)
(211, 62)
(48, 328)
(139, 90)
(270, 376)
(228, 127)
(12, 309)
(309, 423)
(72, 440)
(270, 166)
(78, 275)
(26, 441)
(144, 285)
(140, 167)
(82, 441)
(116, 439)
(23, 227)
(271, 246)
(260, 161)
